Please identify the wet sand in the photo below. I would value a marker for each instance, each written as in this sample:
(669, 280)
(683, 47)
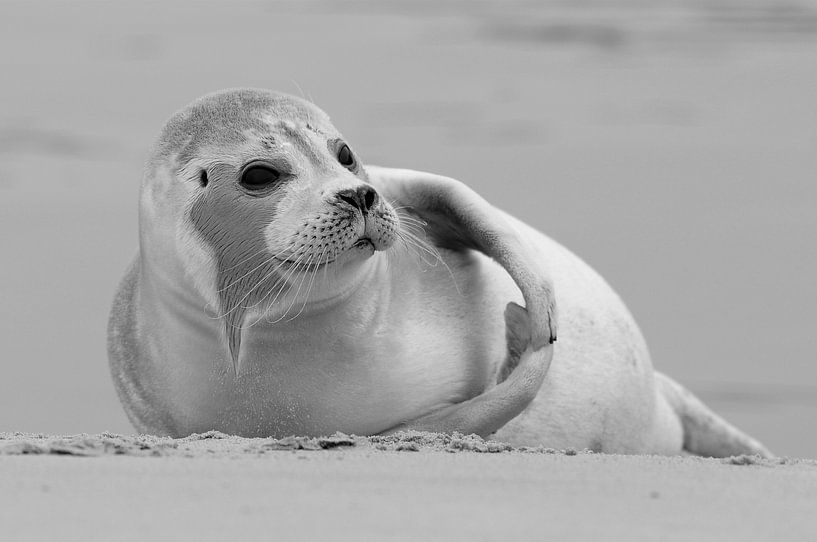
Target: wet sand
(418, 487)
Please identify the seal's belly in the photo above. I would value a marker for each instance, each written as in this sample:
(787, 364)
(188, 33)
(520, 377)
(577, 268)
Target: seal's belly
(431, 343)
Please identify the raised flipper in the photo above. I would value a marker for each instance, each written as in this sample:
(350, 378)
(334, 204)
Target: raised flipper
(458, 219)
(489, 411)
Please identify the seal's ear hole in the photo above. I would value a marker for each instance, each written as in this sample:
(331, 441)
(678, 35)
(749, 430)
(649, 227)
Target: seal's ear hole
(203, 178)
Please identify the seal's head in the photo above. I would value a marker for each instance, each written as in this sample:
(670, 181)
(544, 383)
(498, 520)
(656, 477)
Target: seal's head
(250, 193)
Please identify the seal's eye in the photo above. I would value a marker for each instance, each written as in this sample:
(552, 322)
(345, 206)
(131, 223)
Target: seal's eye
(345, 156)
(258, 177)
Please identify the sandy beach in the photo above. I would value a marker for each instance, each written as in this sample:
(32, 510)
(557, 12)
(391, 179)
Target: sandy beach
(418, 487)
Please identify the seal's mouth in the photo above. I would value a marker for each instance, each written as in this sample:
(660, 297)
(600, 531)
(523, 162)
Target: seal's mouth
(304, 263)
(365, 242)
(304, 266)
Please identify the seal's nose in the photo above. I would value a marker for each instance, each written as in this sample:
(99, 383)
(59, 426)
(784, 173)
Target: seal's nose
(363, 197)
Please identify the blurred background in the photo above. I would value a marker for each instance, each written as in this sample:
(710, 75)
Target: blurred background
(671, 144)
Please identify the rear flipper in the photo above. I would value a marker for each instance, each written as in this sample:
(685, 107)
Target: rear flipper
(524, 371)
(706, 433)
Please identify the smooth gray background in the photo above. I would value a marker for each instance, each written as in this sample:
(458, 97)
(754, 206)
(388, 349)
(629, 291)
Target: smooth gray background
(673, 145)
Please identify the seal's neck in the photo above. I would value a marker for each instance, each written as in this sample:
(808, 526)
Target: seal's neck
(352, 291)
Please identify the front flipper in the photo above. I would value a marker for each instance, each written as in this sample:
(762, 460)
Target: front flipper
(458, 218)
(487, 413)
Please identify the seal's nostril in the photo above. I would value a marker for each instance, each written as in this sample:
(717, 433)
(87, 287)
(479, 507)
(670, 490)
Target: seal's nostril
(350, 200)
(368, 198)
(362, 198)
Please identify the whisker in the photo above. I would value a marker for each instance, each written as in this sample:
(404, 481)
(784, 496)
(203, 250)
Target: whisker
(265, 262)
(429, 249)
(303, 95)
(300, 285)
(422, 245)
(250, 257)
(411, 222)
(247, 294)
(309, 288)
(287, 284)
(270, 288)
(238, 304)
(325, 272)
(417, 232)
(410, 217)
(409, 246)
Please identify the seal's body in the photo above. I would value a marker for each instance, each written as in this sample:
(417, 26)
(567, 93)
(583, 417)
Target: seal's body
(283, 288)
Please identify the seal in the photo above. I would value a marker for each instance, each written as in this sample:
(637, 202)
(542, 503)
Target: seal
(282, 287)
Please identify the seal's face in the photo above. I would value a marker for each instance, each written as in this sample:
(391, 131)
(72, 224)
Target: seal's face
(276, 195)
